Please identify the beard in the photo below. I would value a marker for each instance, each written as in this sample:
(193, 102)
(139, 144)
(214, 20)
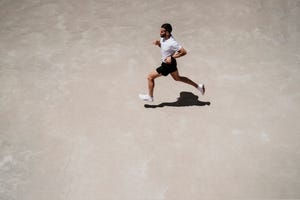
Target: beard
(162, 35)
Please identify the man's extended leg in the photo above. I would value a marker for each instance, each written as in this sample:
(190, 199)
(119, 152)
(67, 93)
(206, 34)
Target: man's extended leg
(151, 84)
(183, 79)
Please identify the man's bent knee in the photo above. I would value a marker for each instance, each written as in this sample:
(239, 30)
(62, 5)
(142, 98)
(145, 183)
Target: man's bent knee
(150, 77)
(153, 76)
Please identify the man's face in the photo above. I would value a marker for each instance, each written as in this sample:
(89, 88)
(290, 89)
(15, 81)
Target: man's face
(163, 32)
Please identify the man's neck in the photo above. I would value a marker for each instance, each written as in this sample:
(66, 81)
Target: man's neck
(167, 37)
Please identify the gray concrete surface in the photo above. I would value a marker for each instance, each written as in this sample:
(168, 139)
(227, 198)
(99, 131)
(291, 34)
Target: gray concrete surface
(72, 126)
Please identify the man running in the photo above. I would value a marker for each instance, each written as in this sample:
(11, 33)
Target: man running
(170, 51)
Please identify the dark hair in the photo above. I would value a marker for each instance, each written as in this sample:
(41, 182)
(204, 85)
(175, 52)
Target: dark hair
(167, 26)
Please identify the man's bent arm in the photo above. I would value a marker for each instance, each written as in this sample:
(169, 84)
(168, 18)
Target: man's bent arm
(179, 53)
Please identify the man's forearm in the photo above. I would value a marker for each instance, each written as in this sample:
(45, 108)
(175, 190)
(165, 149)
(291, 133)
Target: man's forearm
(179, 54)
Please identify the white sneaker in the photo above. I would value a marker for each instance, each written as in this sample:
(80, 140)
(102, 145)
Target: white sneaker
(201, 88)
(145, 97)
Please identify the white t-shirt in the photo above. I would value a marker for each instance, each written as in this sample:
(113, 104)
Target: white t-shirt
(168, 47)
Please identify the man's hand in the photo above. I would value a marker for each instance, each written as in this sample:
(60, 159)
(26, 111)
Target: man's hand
(157, 43)
(168, 60)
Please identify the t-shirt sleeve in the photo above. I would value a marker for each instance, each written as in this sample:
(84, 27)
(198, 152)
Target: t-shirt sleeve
(175, 46)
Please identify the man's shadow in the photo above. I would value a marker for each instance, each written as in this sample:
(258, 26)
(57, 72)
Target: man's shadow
(185, 99)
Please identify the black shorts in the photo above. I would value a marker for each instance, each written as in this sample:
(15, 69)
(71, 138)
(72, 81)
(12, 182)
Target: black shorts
(166, 69)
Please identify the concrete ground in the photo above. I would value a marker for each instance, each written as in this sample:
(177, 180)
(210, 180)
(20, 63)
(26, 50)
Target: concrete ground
(72, 126)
